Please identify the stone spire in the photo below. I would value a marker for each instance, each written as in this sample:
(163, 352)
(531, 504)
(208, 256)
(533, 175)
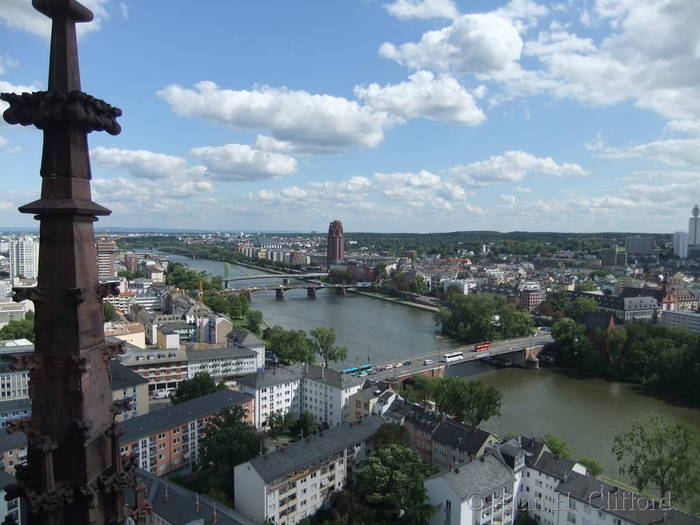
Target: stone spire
(75, 474)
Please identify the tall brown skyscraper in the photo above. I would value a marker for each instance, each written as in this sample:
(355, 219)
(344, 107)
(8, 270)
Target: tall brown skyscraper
(336, 243)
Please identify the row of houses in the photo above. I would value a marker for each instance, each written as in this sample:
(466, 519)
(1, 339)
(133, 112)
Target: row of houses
(487, 482)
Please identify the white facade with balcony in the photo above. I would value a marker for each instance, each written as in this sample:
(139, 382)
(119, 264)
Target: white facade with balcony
(481, 492)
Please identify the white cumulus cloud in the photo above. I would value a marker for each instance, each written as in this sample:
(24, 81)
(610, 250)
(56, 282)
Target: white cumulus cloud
(473, 43)
(304, 122)
(422, 9)
(143, 163)
(512, 166)
(19, 14)
(242, 162)
(424, 95)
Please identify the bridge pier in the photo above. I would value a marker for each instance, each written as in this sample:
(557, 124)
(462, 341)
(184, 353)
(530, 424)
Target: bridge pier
(341, 291)
(311, 293)
(285, 281)
(279, 293)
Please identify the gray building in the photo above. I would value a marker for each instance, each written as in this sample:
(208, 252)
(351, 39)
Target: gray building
(290, 484)
(639, 245)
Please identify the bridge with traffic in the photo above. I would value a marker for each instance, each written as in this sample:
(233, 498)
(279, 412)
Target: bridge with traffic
(521, 352)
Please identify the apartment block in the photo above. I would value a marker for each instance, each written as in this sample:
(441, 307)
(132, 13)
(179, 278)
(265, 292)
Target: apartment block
(128, 385)
(440, 439)
(163, 369)
(687, 319)
(478, 493)
(322, 392)
(167, 441)
(13, 450)
(288, 485)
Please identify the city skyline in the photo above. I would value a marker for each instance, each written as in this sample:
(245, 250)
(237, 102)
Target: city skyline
(410, 116)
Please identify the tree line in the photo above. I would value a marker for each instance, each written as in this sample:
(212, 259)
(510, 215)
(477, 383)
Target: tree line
(475, 318)
(662, 360)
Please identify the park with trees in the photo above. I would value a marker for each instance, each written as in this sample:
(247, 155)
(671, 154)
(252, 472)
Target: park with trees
(475, 318)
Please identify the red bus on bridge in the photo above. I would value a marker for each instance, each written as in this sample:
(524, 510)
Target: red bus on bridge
(481, 347)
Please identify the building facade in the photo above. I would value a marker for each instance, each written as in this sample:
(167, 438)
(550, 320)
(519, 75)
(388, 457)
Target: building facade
(694, 227)
(163, 369)
(687, 319)
(478, 493)
(322, 392)
(107, 258)
(680, 244)
(335, 250)
(24, 257)
(285, 486)
(439, 439)
(166, 441)
(130, 386)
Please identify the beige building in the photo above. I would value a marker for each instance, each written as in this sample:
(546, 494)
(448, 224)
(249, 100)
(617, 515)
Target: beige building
(164, 369)
(367, 402)
(133, 333)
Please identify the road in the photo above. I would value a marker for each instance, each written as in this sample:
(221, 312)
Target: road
(418, 362)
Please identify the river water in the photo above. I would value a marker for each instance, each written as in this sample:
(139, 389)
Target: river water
(587, 412)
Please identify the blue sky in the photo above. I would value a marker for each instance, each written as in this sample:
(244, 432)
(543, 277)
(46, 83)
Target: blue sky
(392, 115)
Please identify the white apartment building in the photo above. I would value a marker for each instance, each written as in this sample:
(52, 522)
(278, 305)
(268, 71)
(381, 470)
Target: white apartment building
(680, 244)
(275, 391)
(288, 485)
(24, 257)
(558, 491)
(325, 393)
(477, 493)
(222, 362)
(687, 319)
(322, 392)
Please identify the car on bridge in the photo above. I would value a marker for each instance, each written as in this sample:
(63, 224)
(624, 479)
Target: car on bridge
(428, 362)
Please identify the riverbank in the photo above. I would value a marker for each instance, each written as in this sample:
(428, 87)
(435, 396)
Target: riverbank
(398, 301)
(373, 295)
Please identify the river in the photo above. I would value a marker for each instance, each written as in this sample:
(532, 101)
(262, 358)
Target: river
(587, 412)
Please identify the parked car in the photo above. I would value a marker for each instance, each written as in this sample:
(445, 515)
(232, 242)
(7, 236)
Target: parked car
(161, 394)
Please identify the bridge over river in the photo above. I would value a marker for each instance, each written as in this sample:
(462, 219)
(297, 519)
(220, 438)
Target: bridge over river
(522, 352)
(311, 288)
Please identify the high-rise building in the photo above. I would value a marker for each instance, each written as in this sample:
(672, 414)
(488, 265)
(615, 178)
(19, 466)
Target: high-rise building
(639, 245)
(680, 244)
(694, 227)
(106, 258)
(24, 257)
(336, 243)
